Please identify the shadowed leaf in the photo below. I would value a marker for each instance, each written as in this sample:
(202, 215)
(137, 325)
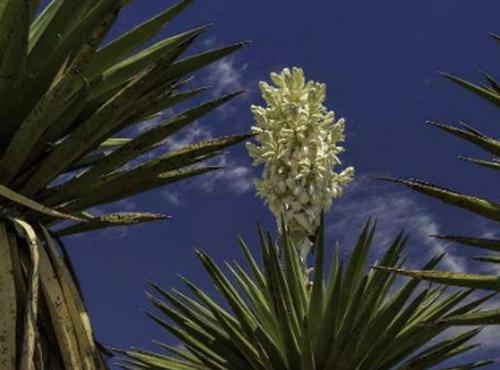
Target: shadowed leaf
(112, 220)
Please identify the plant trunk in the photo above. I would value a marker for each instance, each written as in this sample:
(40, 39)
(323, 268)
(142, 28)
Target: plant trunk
(44, 324)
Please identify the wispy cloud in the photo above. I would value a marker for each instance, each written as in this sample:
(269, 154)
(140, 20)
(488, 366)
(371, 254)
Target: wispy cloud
(394, 210)
(233, 177)
(172, 197)
(194, 133)
(226, 75)
(209, 41)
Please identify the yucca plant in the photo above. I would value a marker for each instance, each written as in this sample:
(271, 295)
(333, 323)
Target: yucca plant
(65, 98)
(284, 313)
(344, 318)
(490, 92)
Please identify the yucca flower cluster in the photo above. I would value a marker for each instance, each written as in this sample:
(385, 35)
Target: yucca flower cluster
(297, 142)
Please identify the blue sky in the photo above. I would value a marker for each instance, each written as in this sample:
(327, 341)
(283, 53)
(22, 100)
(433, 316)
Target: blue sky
(379, 60)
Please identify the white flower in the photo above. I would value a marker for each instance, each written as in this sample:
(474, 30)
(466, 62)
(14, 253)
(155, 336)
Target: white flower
(297, 142)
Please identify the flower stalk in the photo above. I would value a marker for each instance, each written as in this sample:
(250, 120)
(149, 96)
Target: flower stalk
(297, 142)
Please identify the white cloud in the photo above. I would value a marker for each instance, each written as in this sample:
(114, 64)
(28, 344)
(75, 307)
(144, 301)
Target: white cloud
(394, 210)
(226, 76)
(172, 197)
(123, 205)
(149, 124)
(209, 41)
(192, 134)
(233, 177)
(490, 335)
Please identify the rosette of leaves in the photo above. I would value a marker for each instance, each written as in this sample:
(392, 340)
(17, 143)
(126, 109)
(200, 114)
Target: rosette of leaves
(269, 316)
(66, 97)
(490, 209)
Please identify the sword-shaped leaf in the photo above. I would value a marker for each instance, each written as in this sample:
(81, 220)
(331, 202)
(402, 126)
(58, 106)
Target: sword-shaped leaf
(59, 314)
(195, 62)
(267, 325)
(492, 82)
(76, 309)
(120, 73)
(8, 304)
(473, 136)
(42, 69)
(47, 110)
(488, 259)
(114, 141)
(139, 145)
(488, 94)
(441, 351)
(477, 205)
(14, 28)
(121, 187)
(476, 281)
(85, 137)
(117, 49)
(21, 200)
(32, 295)
(53, 123)
(112, 220)
(483, 243)
(493, 164)
(151, 106)
(471, 365)
(489, 317)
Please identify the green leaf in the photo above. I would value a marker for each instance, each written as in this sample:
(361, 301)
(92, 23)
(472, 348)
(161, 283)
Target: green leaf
(489, 244)
(155, 103)
(48, 109)
(488, 259)
(473, 136)
(480, 206)
(476, 281)
(487, 94)
(491, 317)
(168, 50)
(84, 138)
(21, 200)
(76, 30)
(139, 145)
(127, 185)
(493, 164)
(115, 51)
(471, 365)
(195, 62)
(114, 141)
(277, 319)
(111, 220)
(439, 352)
(492, 82)
(14, 25)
